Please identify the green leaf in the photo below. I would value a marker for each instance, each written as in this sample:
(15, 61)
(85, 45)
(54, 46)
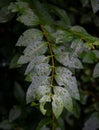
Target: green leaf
(57, 105)
(43, 122)
(18, 6)
(64, 77)
(62, 36)
(37, 60)
(40, 70)
(14, 113)
(77, 46)
(19, 93)
(6, 125)
(65, 96)
(43, 101)
(84, 2)
(93, 122)
(96, 52)
(79, 29)
(35, 49)
(62, 14)
(89, 57)
(38, 88)
(29, 36)
(68, 61)
(95, 5)
(29, 18)
(96, 71)
(5, 14)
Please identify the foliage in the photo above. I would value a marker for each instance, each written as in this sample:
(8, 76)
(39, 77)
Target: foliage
(54, 50)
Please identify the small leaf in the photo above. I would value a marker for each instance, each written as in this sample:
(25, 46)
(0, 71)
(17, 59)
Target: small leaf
(37, 60)
(89, 57)
(29, 36)
(95, 5)
(65, 96)
(38, 88)
(62, 36)
(43, 122)
(57, 105)
(28, 18)
(64, 77)
(40, 70)
(19, 93)
(35, 49)
(96, 52)
(79, 29)
(43, 100)
(14, 113)
(18, 6)
(68, 61)
(63, 15)
(93, 122)
(5, 14)
(96, 71)
(6, 125)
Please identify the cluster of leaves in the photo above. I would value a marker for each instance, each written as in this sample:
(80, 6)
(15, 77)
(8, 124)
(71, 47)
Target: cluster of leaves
(52, 49)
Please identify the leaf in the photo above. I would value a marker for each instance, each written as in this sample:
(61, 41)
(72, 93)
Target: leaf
(93, 122)
(43, 100)
(18, 6)
(79, 29)
(89, 57)
(43, 122)
(14, 113)
(68, 61)
(29, 18)
(62, 14)
(65, 96)
(35, 49)
(5, 14)
(77, 46)
(64, 77)
(38, 88)
(96, 52)
(95, 5)
(96, 71)
(6, 125)
(19, 93)
(84, 2)
(57, 105)
(37, 60)
(40, 70)
(62, 36)
(29, 36)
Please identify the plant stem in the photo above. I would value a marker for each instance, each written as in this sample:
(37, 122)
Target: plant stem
(53, 69)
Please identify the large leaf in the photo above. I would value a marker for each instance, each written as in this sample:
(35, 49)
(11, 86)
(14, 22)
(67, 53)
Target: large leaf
(96, 71)
(34, 49)
(95, 5)
(43, 101)
(64, 77)
(37, 60)
(29, 36)
(57, 105)
(65, 96)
